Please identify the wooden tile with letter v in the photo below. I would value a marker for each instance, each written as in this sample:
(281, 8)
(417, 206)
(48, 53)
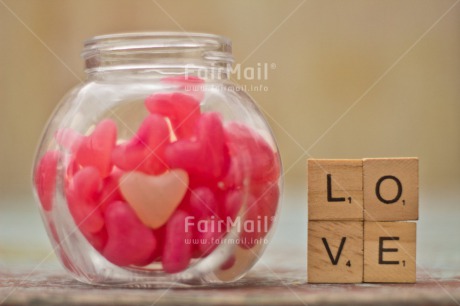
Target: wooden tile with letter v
(335, 252)
(335, 189)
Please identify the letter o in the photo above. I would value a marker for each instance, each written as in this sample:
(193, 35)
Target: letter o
(377, 189)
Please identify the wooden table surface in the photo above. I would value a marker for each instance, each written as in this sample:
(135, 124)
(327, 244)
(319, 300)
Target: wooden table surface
(29, 274)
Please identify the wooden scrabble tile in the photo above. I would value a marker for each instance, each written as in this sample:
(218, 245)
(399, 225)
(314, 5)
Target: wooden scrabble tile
(335, 189)
(389, 252)
(335, 251)
(390, 189)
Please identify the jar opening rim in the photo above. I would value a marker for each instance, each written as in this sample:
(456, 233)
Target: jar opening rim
(156, 41)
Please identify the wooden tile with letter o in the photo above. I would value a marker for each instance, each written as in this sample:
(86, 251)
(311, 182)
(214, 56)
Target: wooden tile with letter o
(389, 252)
(390, 189)
(335, 251)
(335, 189)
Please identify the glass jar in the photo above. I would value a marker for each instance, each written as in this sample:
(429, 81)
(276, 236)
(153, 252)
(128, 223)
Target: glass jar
(157, 169)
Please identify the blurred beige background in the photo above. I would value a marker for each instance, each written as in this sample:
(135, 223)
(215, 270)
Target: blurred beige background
(396, 63)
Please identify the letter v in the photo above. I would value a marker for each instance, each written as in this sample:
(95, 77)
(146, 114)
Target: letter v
(335, 260)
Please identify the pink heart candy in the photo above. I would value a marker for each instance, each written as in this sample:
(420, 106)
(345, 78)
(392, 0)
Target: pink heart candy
(110, 191)
(268, 195)
(154, 198)
(45, 178)
(239, 171)
(209, 236)
(145, 150)
(182, 111)
(177, 252)
(129, 241)
(232, 203)
(203, 208)
(253, 153)
(82, 197)
(158, 252)
(202, 203)
(94, 150)
(260, 209)
(206, 157)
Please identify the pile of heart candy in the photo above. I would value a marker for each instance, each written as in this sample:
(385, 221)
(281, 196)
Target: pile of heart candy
(131, 199)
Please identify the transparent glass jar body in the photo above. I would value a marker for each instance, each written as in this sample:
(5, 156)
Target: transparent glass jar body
(158, 170)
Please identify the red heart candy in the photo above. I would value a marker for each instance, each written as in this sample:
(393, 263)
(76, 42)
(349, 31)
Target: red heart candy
(177, 250)
(209, 234)
(260, 210)
(96, 149)
(268, 195)
(232, 203)
(239, 171)
(156, 255)
(45, 178)
(182, 111)
(144, 151)
(203, 208)
(252, 153)
(206, 157)
(129, 241)
(82, 197)
(110, 191)
(202, 203)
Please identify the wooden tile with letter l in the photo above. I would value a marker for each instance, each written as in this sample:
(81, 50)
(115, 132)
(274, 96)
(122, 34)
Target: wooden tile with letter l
(389, 252)
(335, 252)
(335, 189)
(390, 189)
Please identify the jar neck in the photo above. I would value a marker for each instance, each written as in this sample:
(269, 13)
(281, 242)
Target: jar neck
(203, 55)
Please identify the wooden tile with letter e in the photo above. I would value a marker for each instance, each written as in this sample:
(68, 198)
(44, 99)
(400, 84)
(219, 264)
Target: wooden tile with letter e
(335, 251)
(389, 252)
(335, 189)
(390, 189)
